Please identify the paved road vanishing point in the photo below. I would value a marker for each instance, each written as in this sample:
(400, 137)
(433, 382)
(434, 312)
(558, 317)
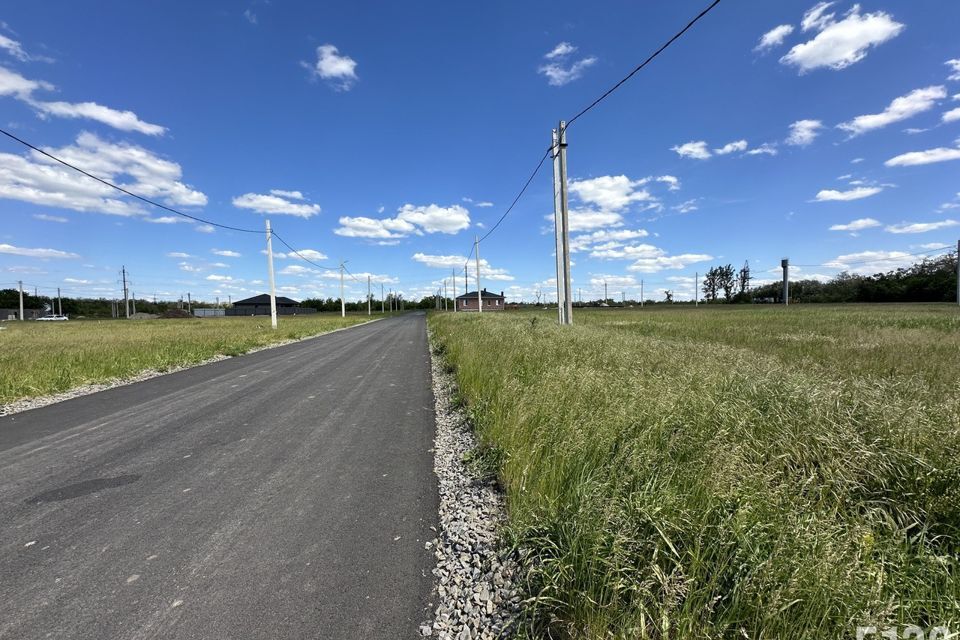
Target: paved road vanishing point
(283, 494)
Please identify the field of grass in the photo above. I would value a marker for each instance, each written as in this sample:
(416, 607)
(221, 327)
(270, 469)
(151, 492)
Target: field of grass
(724, 472)
(40, 358)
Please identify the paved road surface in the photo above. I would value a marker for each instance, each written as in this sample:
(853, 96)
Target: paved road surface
(284, 494)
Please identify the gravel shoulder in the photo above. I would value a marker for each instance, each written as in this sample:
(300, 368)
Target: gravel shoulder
(25, 404)
(476, 590)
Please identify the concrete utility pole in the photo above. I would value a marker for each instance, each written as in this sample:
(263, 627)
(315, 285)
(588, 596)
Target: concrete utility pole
(565, 219)
(466, 285)
(60, 303)
(20, 282)
(273, 284)
(218, 301)
(444, 295)
(476, 245)
(343, 304)
(453, 279)
(369, 311)
(133, 301)
(189, 303)
(126, 303)
(605, 296)
(785, 264)
(558, 225)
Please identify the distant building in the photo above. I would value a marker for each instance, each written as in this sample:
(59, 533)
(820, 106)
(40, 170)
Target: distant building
(14, 314)
(260, 306)
(491, 301)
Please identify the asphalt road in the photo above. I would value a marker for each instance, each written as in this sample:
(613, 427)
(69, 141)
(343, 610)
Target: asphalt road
(282, 494)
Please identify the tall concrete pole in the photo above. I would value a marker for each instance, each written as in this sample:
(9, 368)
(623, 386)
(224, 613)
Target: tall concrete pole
(20, 282)
(343, 304)
(565, 219)
(558, 225)
(476, 244)
(126, 301)
(273, 284)
(785, 264)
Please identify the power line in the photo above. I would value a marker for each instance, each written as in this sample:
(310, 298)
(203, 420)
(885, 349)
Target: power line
(122, 190)
(593, 104)
(650, 59)
(300, 255)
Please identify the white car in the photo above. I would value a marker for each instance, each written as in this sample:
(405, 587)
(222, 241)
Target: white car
(53, 318)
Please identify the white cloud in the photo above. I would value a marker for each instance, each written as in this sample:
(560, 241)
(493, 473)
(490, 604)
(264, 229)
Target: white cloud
(902, 108)
(839, 44)
(920, 227)
(308, 254)
(178, 254)
(826, 195)
(339, 70)
(672, 182)
(856, 161)
(649, 258)
(610, 192)
(13, 84)
(35, 253)
(730, 147)
(122, 120)
(250, 16)
(587, 219)
(410, 220)
(952, 116)
(954, 65)
(856, 225)
(39, 180)
(867, 262)
(929, 156)
(561, 50)
(803, 132)
(694, 149)
(483, 204)
(226, 253)
(766, 149)
(189, 268)
(13, 48)
(774, 37)
(606, 237)
(448, 262)
(292, 195)
(687, 206)
(611, 280)
(276, 204)
(205, 228)
(559, 72)
(164, 220)
(49, 218)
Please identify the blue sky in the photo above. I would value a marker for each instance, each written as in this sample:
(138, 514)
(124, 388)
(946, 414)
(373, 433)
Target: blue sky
(389, 135)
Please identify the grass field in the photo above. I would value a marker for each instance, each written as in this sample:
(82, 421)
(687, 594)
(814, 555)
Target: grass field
(724, 472)
(40, 358)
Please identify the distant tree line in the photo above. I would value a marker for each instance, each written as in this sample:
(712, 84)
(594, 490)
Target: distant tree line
(930, 280)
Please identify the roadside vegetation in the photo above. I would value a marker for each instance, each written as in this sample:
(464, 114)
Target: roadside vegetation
(722, 472)
(42, 358)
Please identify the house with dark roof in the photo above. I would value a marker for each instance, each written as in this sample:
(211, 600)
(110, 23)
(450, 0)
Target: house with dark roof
(491, 301)
(260, 306)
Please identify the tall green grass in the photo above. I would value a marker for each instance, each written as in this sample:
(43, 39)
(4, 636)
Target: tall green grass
(721, 473)
(40, 358)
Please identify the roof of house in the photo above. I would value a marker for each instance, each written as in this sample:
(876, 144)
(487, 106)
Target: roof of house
(264, 298)
(486, 294)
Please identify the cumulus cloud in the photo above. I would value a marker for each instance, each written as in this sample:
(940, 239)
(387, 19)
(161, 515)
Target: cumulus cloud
(773, 38)
(16, 50)
(14, 84)
(803, 132)
(340, 71)
(607, 238)
(766, 149)
(856, 225)
(901, 108)
(840, 43)
(560, 70)
(920, 227)
(36, 253)
(448, 262)
(687, 206)
(730, 147)
(178, 254)
(929, 156)
(857, 193)
(952, 116)
(226, 253)
(695, 149)
(610, 192)
(37, 179)
(46, 217)
(410, 220)
(867, 262)
(954, 69)
(277, 202)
